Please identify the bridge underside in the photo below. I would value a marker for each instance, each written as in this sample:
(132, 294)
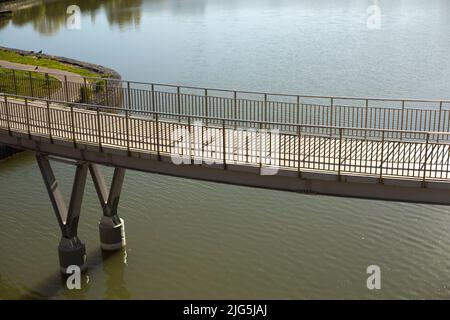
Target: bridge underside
(347, 185)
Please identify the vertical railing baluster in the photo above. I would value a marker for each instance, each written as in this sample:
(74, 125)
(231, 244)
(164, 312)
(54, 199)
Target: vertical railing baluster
(28, 118)
(47, 80)
(31, 83)
(260, 146)
(15, 81)
(72, 121)
(66, 88)
(425, 161)
(340, 153)
(381, 157)
(8, 124)
(129, 95)
(299, 138)
(224, 145)
(331, 116)
(206, 113)
(366, 117)
(265, 111)
(99, 132)
(190, 140)
(439, 121)
(127, 128)
(178, 104)
(152, 86)
(49, 125)
(106, 92)
(157, 137)
(85, 99)
(235, 108)
(402, 119)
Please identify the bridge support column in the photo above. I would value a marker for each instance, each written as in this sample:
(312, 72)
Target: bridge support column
(71, 249)
(111, 227)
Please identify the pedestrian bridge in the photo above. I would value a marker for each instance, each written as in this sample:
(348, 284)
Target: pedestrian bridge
(355, 147)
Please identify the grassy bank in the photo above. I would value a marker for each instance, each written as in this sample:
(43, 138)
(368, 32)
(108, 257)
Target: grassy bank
(19, 83)
(33, 60)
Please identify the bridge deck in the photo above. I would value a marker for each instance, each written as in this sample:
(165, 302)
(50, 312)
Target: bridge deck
(335, 150)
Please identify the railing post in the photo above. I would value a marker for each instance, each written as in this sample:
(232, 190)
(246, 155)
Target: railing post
(157, 137)
(382, 157)
(298, 110)
(31, 84)
(28, 118)
(106, 92)
(265, 111)
(7, 115)
(129, 94)
(128, 131)
(66, 88)
(47, 80)
(99, 131)
(402, 119)
(153, 97)
(72, 121)
(260, 146)
(439, 121)
(189, 140)
(206, 107)
(86, 94)
(49, 124)
(366, 117)
(299, 138)
(331, 115)
(340, 153)
(15, 82)
(425, 161)
(178, 104)
(224, 145)
(235, 108)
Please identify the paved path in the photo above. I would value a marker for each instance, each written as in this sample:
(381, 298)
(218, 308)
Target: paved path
(61, 75)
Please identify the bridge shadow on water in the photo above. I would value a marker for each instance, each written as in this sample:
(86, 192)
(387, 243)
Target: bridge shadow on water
(111, 263)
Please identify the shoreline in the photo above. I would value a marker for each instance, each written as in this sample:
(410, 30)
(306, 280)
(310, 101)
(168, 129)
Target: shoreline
(96, 68)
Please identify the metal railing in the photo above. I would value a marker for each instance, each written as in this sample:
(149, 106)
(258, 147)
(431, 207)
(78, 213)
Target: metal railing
(325, 111)
(381, 153)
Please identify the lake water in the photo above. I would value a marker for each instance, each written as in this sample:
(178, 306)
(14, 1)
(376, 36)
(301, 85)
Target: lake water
(193, 239)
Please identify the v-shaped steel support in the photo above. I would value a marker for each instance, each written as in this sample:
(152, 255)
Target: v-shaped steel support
(111, 227)
(109, 200)
(67, 218)
(71, 249)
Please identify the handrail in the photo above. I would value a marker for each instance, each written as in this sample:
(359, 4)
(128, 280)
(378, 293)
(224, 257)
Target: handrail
(279, 94)
(262, 123)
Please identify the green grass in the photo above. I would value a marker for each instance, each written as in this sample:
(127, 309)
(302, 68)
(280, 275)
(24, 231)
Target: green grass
(21, 85)
(45, 62)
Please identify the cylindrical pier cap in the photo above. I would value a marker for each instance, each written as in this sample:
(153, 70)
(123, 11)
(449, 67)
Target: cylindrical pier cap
(72, 252)
(112, 233)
